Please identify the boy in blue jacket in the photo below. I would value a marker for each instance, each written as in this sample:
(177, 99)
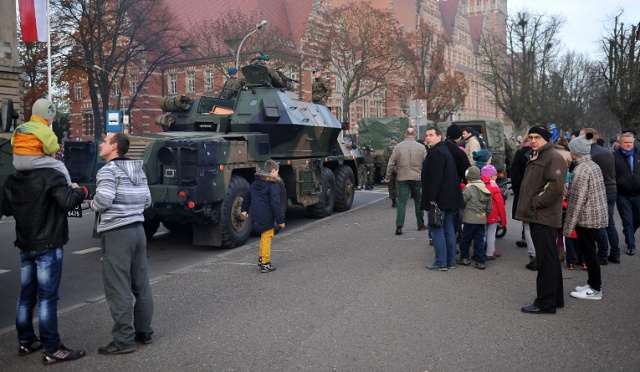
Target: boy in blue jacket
(262, 200)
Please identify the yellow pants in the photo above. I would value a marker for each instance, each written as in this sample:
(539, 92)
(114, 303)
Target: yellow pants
(265, 246)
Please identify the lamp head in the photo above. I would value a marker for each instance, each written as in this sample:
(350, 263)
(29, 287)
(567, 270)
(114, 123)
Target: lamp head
(261, 25)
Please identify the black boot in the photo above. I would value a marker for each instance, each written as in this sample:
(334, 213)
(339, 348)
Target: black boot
(394, 203)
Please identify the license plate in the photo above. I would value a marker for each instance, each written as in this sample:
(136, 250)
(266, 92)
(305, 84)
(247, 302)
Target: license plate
(76, 212)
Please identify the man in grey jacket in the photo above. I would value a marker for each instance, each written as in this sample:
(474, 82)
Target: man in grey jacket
(406, 161)
(121, 196)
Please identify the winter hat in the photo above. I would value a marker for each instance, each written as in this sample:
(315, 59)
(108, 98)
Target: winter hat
(232, 71)
(394, 138)
(543, 132)
(473, 173)
(454, 131)
(264, 58)
(316, 70)
(581, 146)
(44, 109)
(488, 170)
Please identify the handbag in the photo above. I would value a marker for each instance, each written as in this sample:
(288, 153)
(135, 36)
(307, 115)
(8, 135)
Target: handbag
(435, 216)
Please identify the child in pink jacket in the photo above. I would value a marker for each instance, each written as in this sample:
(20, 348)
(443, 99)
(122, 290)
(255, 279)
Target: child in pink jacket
(488, 175)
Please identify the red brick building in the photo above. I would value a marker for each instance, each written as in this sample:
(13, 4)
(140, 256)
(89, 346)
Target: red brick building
(462, 21)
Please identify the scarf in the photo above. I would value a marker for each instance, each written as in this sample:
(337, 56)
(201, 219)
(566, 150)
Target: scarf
(629, 155)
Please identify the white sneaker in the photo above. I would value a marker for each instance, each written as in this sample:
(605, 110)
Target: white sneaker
(581, 288)
(588, 294)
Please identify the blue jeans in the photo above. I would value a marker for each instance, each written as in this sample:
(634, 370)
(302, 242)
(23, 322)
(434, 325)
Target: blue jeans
(444, 240)
(40, 272)
(609, 234)
(476, 232)
(629, 209)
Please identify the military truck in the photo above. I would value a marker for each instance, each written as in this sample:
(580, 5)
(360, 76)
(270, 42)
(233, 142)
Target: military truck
(200, 166)
(492, 133)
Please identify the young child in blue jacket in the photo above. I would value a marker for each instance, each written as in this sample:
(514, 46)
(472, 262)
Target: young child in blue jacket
(262, 203)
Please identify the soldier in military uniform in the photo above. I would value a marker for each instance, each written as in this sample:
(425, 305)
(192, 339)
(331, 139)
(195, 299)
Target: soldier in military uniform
(233, 85)
(320, 89)
(392, 185)
(274, 78)
(366, 169)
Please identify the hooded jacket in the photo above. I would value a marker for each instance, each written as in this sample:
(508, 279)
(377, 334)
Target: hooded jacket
(262, 202)
(122, 194)
(542, 189)
(476, 203)
(498, 213)
(39, 200)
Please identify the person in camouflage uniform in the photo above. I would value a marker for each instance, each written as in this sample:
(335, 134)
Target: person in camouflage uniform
(274, 77)
(233, 85)
(393, 182)
(366, 169)
(320, 89)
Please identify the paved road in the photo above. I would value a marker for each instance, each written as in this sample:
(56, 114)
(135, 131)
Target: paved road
(349, 295)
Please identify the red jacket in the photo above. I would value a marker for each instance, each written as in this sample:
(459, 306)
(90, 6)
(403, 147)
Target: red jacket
(498, 213)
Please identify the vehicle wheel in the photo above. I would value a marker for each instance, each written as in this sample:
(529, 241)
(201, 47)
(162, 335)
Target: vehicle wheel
(235, 229)
(324, 207)
(501, 231)
(345, 188)
(150, 226)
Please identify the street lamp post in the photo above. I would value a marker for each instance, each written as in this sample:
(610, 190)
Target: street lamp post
(121, 108)
(259, 26)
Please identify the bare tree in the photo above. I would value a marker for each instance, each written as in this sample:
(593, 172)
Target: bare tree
(443, 88)
(119, 37)
(621, 72)
(361, 44)
(518, 72)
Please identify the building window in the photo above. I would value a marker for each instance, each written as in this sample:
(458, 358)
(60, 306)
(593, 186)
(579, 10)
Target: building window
(191, 82)
(378, 105)
(173, 84)
(133, 85)
(208, 80)
(365, 108)
(78, 88)
(87, 124)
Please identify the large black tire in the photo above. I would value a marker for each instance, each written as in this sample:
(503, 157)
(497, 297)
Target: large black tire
(327, 201)
(235, 229)
(345, 188)
(150, 226)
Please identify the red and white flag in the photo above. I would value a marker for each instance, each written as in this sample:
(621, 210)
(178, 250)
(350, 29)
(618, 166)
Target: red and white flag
(33, 20)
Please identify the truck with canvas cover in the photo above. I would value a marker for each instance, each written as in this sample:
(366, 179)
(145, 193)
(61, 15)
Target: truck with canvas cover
(492, 133)
(376, 132)
(203, 162)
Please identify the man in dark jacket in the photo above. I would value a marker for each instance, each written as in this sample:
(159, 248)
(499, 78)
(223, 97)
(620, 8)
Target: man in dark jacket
(441, 188)
(454, 134)
(520, 160)
(627, 163)
(262, 203)
(540, 204)
(39, 200)
(606, 236)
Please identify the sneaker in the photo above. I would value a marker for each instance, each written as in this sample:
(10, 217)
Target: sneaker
(491, 258)
(631, 251)
(267, 268)
(143, 338)
(28, 349)
(433, 266)
(588, 294)
(570, 266)
(581, 288)
(452, 267)
(62, 354)
(480, 266)
(464, 262)
(112, 349)
(584, 265)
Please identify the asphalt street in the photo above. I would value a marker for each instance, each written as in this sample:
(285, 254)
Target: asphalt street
(349, 295)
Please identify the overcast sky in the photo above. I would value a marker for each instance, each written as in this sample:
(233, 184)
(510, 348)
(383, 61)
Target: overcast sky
(585, 20)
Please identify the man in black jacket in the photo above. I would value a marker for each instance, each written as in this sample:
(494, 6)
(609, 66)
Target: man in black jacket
(39, 200)
(441, 188)
(627, 163)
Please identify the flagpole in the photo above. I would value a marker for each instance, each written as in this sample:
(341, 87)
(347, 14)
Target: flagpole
(49, 47)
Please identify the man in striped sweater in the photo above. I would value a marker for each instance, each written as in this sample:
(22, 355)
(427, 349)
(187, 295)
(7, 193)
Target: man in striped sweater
(121, 196)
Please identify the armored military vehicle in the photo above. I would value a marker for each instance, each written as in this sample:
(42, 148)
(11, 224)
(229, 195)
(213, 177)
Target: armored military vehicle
(200, 166)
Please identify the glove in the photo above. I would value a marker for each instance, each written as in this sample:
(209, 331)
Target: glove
(85, 191)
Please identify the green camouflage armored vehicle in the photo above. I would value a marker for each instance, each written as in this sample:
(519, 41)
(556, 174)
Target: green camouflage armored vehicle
(492, 133)
(199, 168)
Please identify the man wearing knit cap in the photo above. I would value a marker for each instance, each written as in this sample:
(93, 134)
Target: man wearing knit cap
(587, 195)
(233, 84)
(606, 236)
(540, 204)
(35, 144)
(454, 134)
